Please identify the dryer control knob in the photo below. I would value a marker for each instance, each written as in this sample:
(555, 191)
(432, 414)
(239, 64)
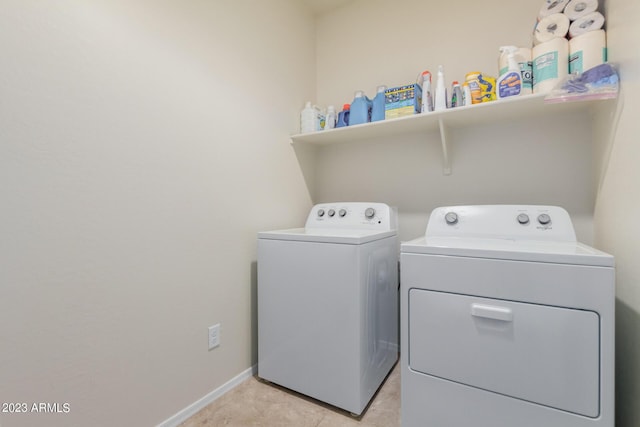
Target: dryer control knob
(544, 219)
(451, 218)
(331, 212)
(320, 212)
(523, 219)
(342, 212)
(369, 213)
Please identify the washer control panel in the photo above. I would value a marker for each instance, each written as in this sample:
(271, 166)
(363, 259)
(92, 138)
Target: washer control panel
(514, 222)
(352, 215)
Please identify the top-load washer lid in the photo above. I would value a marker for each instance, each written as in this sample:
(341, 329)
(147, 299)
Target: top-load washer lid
(512, 232)
(347, 223)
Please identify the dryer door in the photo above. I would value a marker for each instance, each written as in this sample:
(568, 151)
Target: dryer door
(541, 354)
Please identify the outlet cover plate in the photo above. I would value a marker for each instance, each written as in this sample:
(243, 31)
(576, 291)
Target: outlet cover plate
(214, 336)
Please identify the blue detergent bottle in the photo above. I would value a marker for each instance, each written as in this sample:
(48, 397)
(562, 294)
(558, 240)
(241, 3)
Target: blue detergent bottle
(343, 116)
(377, 109)
(360, 111)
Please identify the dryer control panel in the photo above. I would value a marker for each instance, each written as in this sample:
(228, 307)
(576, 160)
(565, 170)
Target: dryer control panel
(352, 216)
(513, 222)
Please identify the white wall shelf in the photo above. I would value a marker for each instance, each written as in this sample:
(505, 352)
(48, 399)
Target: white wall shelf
(495, 112)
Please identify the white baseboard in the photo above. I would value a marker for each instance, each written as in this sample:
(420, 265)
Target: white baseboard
(196, 406)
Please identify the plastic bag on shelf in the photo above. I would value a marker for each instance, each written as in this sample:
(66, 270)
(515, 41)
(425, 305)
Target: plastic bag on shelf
(599, 82)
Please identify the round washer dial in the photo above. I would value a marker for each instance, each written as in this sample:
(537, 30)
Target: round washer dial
(451, 218)
(342, 212)
(331, 212)
(369, 213)
(544, 219)
(523, 219)
(320, 212)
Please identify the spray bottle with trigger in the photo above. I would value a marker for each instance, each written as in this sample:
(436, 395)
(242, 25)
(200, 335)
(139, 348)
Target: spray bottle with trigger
(440, 98)
(509, 83)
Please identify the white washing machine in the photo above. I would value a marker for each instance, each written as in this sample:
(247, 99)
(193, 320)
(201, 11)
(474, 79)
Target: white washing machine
(506, 321)
(328, 303)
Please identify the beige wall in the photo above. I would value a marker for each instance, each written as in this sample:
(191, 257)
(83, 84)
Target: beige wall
(367, 43)
(618, 204)
(133, 186)
(530, 160)
(142, 146)
(586, 163)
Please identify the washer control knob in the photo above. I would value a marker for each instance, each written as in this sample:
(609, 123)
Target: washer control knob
(331, 213)
(321, 212)
(451, 218)
(369, 213)
(544, 219)
(523, 219)
(342, 212)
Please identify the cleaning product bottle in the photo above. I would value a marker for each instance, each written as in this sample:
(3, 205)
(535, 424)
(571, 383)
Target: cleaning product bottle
(360, 109)
(473, 83)
(440, 98)
(343, 116)
(427, 101)
(466, 94)
(377, 109)
(309, 118)
(509, 83)
(330, 119)
(456, 95)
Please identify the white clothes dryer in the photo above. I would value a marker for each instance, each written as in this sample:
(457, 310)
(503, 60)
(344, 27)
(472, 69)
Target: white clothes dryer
(328, 303)
(506, 321)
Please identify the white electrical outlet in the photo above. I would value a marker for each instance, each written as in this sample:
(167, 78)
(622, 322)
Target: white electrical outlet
(214, 336)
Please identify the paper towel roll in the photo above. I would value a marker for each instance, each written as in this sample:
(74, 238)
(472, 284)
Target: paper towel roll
(550, 7)
(523, 57)
(587, 50)
(579, 8)
(553, 26)
(590, 22)
(550, 64)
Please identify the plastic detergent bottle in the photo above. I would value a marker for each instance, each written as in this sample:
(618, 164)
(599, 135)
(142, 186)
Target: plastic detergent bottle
(377, 109)
(509, 83)
(427, 101)
(330, 119)
(474, 86)
(456, 95)
(466, 94)
(440, 98)
(309, 119)
(343, 116)
(360, 109)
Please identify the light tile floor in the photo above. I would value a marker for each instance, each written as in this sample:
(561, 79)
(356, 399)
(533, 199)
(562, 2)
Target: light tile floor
(257, 404)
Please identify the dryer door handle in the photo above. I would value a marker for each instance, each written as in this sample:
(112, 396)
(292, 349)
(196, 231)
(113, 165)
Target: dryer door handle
(492, 312)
